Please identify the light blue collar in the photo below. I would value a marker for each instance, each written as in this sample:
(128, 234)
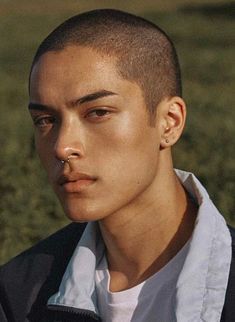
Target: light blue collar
(77, 288)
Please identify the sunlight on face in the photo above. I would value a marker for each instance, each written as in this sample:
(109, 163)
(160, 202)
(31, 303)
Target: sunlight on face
(82, 108)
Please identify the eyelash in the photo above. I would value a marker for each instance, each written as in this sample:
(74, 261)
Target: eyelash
(96, 111)
(38, 121)
(43, 121)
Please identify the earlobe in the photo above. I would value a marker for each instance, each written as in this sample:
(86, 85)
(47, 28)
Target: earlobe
(174, 121)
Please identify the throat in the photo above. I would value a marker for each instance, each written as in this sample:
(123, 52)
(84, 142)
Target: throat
(143, 244)
(136, 255)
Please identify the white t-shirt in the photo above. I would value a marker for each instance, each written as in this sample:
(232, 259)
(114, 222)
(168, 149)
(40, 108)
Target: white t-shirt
(151, 301)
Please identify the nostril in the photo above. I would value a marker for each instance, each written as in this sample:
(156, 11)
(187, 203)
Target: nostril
(73, 156)
(67, 154)
(69, 158)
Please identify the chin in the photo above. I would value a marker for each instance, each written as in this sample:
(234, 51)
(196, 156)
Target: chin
(78, 213)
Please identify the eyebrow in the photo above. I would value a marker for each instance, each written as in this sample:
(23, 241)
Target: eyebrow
(38, 107)
(92, 97)
(84, 99)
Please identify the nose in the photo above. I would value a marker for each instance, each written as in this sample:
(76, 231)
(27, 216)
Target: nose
(68, 143)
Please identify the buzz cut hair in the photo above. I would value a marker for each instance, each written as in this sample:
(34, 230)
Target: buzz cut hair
(143, 52)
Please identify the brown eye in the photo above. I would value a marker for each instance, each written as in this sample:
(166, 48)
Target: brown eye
(97, 113)
(101, 112)
(44, 121)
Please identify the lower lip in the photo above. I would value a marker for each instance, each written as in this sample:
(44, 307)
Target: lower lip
(77, 186)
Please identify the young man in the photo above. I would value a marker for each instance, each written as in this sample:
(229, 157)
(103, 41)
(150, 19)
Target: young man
(105, 100)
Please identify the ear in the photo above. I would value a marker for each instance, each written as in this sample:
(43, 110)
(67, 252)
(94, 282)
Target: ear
(173, 121)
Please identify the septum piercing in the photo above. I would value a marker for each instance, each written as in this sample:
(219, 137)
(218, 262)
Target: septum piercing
(63, 161)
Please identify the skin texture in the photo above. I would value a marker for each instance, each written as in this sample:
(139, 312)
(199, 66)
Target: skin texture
(120, 169)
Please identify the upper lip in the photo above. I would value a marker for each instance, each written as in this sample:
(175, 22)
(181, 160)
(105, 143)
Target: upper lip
(72, 177)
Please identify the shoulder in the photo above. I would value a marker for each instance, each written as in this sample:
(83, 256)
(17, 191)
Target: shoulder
(34, 275)
(55, 246)
(229, 308)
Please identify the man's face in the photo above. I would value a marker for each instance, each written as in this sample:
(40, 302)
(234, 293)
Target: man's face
(83, 109)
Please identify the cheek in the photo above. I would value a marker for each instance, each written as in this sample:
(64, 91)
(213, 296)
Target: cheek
(42, 150)
(127, 149)
(131, 137)
(124, 131)
(45, 155)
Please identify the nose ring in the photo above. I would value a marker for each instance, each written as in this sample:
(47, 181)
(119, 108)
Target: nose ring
(66, 160)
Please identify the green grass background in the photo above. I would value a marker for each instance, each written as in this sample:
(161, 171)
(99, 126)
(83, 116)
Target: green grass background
(204, 34)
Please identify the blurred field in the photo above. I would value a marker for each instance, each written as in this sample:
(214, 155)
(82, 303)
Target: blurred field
(135, 6)
(204, 35)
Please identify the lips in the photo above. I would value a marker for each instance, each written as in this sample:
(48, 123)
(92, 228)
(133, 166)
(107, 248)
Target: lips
(75, 182)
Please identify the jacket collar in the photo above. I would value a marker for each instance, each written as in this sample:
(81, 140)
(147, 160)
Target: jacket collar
(202, 284)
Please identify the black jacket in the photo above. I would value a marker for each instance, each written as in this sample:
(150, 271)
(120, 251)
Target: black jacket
(28, 280)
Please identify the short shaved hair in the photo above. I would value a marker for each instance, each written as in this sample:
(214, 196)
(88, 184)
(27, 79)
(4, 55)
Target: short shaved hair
(144, 53)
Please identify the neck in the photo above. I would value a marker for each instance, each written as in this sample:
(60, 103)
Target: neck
(144, 236)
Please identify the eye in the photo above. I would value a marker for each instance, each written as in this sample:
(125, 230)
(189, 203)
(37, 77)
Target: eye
(43, 121)
(98, 114)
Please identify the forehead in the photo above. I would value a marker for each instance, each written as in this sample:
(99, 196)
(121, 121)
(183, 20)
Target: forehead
(73, 62)
(61, 76)
(75, 69)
